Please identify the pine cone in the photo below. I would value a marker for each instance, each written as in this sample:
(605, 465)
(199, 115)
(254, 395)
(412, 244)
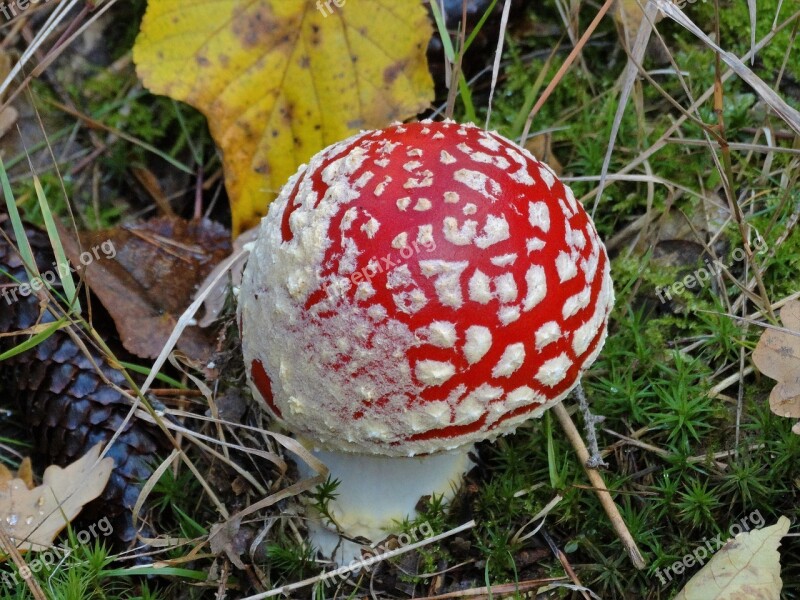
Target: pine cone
(64, 402)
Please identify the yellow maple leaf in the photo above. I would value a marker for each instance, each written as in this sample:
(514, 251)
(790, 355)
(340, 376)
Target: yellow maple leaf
(279, 80)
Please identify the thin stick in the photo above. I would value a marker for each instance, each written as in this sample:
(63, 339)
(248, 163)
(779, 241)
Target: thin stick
(24, 571)
(365, 563)
(600, 487)
(565, 67)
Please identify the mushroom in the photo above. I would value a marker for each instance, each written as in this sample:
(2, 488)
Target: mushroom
(415, 290)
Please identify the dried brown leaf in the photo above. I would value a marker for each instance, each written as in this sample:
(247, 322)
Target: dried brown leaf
(746, 568)
(777, 356)
(150, 278)
(34, 517)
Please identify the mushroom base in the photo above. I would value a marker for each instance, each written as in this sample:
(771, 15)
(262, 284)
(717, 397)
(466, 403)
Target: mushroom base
(375, 492)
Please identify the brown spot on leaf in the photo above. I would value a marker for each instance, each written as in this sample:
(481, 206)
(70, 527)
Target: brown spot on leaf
(256, 27)
(391, 73)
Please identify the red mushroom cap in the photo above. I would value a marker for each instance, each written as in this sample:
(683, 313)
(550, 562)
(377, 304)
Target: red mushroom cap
(419, 288)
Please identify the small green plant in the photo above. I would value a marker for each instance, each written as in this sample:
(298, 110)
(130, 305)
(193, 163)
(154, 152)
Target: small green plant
(322, 496)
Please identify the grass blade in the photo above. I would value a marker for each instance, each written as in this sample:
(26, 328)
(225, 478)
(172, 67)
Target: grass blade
(67, 282)
(16, 222)
(34, 340)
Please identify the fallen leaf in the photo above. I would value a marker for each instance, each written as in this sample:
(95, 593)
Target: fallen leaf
(747, 567)
(777, 356)
(628, 15)
(279, 80)
(34, 517)
(145, 276)
(228, 537)
(541, 147)
(215, 301)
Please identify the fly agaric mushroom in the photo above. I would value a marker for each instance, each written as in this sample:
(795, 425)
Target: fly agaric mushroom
(412, 291)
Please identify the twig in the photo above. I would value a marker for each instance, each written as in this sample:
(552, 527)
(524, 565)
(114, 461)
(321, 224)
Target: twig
(590, 420)
(496, 591)
(565, 67)
(602, 491)
(366, 563)
(24, 571)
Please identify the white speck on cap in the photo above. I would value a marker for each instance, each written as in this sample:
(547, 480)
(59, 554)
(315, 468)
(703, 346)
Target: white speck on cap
(425, 235)
(479, 340)
(566, 267)
(400, 240)
(371, 227)
(511, 360)
(534, 245)
(547, 176)
(447, 282)
(416, 182)
(553, 371)
(364, 291)
(363, 180)
(434, 372)
(508, 314)
(489, 142)
(422, 204)
(577, 302)
(441, 334)
(462, 236)
(547, 334)
(465, 148)
(478, 181)
(539, 215)
(485, 393)
(505, 287)
(479, 287)
(469, 410)
(399, 277)
(494, 231)
(501, 162)
(410, 302)
(521, 396)
(381, 187)
(347, 219)
(536, 280)
(446, 158)
(504, 260)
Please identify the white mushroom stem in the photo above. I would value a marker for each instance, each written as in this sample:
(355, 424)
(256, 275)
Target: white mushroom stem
(376, 492)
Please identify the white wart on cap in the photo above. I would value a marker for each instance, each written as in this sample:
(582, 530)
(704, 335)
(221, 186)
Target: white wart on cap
(420, 288)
